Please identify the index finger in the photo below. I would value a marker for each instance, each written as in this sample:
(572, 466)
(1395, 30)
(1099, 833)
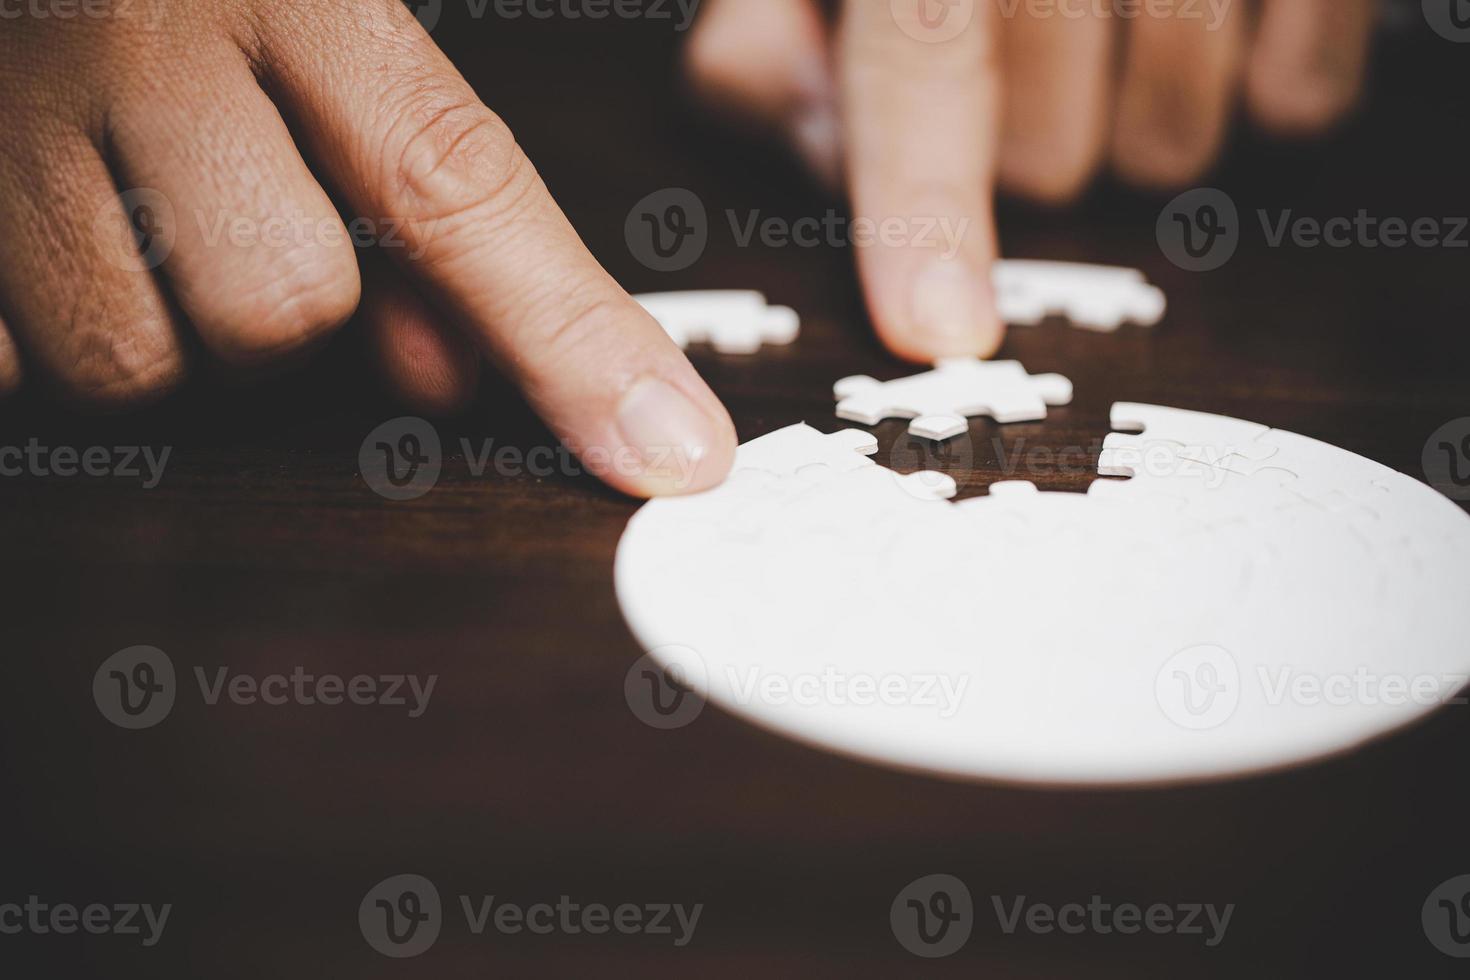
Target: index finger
(405, 137)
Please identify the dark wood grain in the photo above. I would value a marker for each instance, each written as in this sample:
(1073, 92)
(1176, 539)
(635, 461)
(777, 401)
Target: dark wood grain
(529, 778)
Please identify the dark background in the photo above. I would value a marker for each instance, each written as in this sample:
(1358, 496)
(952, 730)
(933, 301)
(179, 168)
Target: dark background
(528, 777)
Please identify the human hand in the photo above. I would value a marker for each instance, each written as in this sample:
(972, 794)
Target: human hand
(227, 124)
(920, 108)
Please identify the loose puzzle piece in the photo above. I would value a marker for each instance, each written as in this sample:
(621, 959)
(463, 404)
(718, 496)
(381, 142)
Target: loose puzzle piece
(733, 321)
(1093, 297)
(941, 400)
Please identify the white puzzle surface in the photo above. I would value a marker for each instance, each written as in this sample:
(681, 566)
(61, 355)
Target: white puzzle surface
(1249, 599)
(940, 401)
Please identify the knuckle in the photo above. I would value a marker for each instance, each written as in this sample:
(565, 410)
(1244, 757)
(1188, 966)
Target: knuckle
(257, 323)
(109, 368)
(451, 156)
(573, 331)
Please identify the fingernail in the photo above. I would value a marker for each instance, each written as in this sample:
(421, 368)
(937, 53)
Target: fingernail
(953, 308)
(670, 433)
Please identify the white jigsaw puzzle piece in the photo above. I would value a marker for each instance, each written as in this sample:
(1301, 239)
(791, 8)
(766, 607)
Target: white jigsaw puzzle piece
(733, 321)
(941, 400)
(1093, 297)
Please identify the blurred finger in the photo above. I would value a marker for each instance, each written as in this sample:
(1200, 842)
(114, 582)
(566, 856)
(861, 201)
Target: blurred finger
(1177, 93)
(766, 62)
(1057, 101)
(920, 118)
(1306, 69)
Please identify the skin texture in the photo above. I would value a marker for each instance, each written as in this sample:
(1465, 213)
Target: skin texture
(286, 103)
(913, 119)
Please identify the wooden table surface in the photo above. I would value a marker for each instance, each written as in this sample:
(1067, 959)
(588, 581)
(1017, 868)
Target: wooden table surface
(528, 777)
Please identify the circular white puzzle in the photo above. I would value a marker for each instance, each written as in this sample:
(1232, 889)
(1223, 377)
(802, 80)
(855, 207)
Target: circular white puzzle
(1248, 599)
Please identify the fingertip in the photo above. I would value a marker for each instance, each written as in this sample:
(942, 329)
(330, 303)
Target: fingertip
(950, 312)
(680, 441)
